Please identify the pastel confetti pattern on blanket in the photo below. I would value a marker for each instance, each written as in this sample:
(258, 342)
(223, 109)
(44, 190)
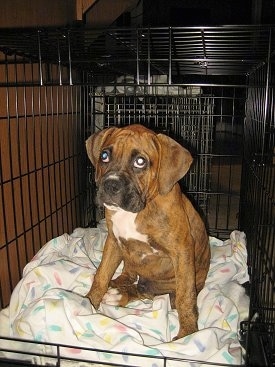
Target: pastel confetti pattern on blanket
(48, 305)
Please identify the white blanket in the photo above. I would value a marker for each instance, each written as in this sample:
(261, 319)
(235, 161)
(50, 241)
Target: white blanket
(48, 305)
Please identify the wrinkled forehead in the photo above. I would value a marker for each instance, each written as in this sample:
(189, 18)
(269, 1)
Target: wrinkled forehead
(127, 141)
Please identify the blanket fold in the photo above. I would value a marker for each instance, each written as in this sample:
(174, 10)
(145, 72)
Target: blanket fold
(49, 306)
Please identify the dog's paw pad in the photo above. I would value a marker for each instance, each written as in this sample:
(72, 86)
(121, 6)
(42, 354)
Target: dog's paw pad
(112, 297)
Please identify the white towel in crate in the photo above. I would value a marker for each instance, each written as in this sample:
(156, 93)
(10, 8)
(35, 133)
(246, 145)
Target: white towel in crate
(48, 305)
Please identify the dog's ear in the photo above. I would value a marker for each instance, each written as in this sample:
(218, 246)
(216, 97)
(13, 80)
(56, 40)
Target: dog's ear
(175, 161)
(94, 144)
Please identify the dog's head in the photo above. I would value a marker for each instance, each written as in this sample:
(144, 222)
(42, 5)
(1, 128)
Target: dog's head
(133, 164)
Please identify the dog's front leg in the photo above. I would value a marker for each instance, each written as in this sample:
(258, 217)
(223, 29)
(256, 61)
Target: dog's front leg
(111, 259)
(186, 294)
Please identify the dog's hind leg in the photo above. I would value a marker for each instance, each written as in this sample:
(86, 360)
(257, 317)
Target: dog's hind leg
(156, 287)
(122, 295)
(123, 289)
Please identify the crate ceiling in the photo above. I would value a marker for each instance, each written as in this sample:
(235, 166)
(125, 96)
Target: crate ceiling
(173, 51)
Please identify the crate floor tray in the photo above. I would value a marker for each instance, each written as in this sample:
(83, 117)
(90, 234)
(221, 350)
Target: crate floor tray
(48, 307)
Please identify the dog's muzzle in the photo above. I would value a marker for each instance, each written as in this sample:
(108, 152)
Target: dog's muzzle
(118, 190)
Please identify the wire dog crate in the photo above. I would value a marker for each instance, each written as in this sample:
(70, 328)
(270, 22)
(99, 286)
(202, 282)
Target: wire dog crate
(210, 88)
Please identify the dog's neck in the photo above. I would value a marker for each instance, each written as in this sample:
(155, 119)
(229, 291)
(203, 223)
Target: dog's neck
(124, 225)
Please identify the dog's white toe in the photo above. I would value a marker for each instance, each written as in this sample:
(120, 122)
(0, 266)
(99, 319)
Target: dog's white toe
(112, 297)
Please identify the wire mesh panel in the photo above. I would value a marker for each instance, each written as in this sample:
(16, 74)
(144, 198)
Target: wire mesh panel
(42, 170)
(196, 121)
(258, 204)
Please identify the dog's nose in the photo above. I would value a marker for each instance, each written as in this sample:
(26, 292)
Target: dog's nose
(112, 186)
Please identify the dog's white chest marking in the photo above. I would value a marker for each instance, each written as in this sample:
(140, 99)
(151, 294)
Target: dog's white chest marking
(124, 225)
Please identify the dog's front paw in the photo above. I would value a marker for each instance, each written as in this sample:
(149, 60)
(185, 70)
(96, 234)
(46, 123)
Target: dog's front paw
(94, 298)
(112, 297)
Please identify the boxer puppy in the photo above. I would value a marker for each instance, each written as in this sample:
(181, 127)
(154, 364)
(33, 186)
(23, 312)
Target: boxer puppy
(152, 227)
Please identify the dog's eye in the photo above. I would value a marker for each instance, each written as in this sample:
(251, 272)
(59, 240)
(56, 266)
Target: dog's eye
(105, 156)
(140, 162)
